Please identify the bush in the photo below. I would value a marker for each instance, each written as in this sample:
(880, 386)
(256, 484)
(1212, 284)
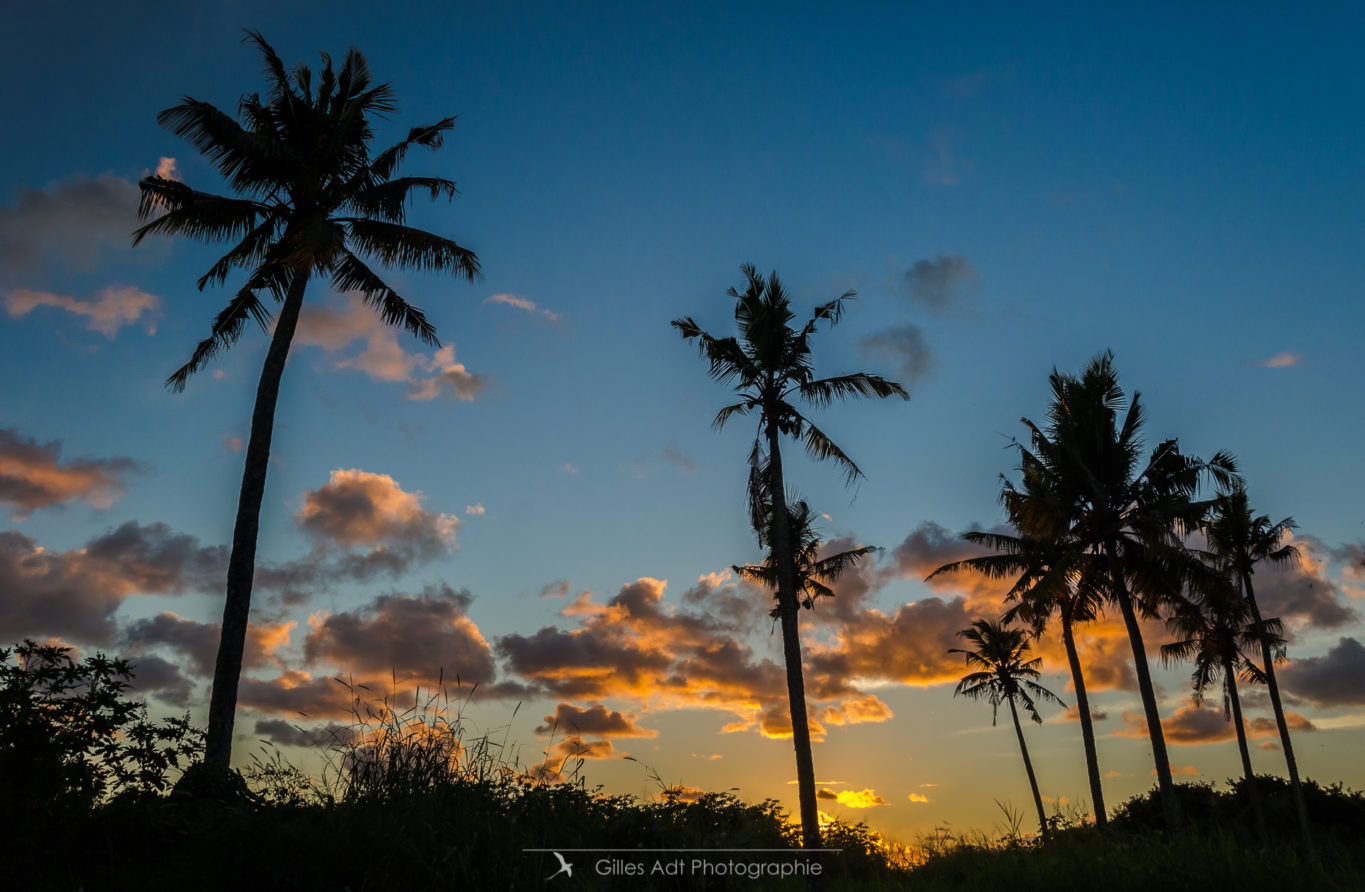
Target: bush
(70, 738)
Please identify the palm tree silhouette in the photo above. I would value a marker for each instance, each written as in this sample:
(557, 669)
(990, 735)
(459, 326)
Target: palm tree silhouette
(1214, 631)
(814, 575)
(1050, 578)
(1239, 540)
(769, 365)
(1005, 674)
(1131, 517)
(314, 201)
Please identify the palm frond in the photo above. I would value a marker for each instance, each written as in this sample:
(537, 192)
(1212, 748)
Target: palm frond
(351, 274)
(398, 245)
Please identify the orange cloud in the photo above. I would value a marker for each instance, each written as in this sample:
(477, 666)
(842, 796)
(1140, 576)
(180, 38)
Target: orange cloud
(359, 508)
(33, 476)
(918, 797)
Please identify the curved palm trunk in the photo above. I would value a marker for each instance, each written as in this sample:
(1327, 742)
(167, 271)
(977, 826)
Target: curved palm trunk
(227, 671)
(1273, 686)
(791, 646)
(1028, 767)
(1169, 806)
(1092, 761)
(1253, 794)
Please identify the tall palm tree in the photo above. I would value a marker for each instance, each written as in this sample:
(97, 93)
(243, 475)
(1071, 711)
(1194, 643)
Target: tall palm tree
(1005, 674)
(1132, 517)
(1240, 540)
(769, 365)
(1214, 631)
(312, 201)
(813, 574)
(1050, 579)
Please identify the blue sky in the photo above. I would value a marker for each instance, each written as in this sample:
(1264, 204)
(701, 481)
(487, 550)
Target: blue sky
(1021, 190)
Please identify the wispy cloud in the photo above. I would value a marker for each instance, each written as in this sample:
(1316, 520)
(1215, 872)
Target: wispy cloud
(107, 312)
(477, 509)
(1280, 361)
(522, 303)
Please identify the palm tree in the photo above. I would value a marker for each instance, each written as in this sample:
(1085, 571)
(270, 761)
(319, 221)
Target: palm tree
(1131, 517)
(769, 365)
(1214, 632)
(313, 202)
(814, 575)
(1051, 579)
(1005, 674)
(1239, 541)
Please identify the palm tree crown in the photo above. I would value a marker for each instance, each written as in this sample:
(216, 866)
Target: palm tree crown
(814, 574)
(312, 201)
(312, 198)
(1005, 673)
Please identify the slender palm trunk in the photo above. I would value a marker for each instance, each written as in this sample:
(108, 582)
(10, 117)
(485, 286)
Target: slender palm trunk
(1028, 767)
(1274, 688)
(791, 645)
(1169, 806)
(1253, 794)
(1092, 760)
(227, 671)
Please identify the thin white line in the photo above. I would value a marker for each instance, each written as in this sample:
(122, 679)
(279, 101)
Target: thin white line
(788, 851)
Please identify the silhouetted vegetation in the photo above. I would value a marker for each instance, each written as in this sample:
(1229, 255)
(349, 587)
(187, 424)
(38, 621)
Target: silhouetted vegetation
(412, 800)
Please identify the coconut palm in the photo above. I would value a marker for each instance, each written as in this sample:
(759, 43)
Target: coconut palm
(1240, 540)
(1049, 579)
(1215, 632)
(1130, 516)
(312, 201)
(1005, 674)
(814, 574)
(769, 365)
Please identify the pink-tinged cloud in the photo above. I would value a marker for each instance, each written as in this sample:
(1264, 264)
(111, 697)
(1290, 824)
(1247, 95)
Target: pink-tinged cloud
(336, 327)
(358, 508)
(425, 637)
(32, 475)
(111, 309)
(476, 510)
(1303, 593)
(522, 303)
(1280, 361)
(568, 468)
(596, 720)
(449, 378)
(167, 169)
(232, 443)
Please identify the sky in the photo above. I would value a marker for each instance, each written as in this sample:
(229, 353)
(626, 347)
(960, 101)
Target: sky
(542, 507)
